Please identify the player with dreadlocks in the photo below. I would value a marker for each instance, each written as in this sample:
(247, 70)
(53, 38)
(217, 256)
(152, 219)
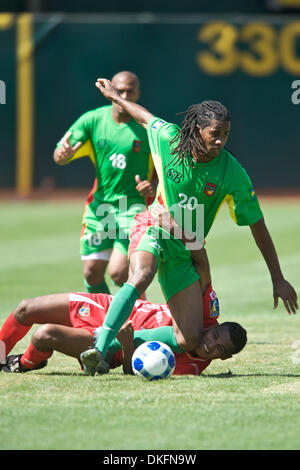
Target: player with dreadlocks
(191, 146)
(196, 172)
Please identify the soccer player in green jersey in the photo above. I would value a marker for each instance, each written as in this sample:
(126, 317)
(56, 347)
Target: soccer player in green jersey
(118, 147)
(194, 169)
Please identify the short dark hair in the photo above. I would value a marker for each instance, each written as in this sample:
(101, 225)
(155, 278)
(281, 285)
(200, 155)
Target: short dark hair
(190, 143)
(238, 335)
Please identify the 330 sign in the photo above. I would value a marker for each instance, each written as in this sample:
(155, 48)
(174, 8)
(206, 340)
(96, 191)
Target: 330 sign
(258, 49)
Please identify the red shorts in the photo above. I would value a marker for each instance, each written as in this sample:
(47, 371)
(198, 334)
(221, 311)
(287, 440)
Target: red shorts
(88, 310)
(142, 222)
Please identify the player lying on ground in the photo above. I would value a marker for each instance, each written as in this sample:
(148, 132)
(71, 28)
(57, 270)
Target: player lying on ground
(70, 325)
(195, 170)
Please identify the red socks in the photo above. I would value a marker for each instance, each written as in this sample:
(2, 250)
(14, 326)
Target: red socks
(32, 357)
(12, 332)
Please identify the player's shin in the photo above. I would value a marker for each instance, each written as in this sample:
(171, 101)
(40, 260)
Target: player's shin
(118, 312)
(12, 332)
(33, 357)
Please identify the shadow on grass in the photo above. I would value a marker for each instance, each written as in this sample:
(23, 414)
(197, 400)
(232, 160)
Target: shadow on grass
(118, 377)
(230, 375)
(112, 377)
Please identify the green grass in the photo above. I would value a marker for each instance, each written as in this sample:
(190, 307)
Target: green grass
(248, 402)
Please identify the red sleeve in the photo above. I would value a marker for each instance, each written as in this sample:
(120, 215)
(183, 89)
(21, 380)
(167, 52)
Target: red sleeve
(188, 365)
(210, 308)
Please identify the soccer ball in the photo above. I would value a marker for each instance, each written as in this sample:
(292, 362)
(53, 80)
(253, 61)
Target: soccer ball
(153, 360)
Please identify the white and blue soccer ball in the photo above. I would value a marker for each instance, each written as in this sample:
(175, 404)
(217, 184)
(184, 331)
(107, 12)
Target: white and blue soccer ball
(153, 360)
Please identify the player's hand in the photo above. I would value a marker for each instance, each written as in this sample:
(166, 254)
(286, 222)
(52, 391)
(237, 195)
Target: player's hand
(125, 336)
(107, 89)
(66, 150)
(286, 292)
(145, 188)
(162, 217)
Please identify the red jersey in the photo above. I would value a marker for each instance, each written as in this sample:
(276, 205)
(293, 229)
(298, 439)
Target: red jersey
(88, 311)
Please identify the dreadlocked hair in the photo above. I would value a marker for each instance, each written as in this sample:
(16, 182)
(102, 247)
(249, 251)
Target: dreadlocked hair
(190, 142)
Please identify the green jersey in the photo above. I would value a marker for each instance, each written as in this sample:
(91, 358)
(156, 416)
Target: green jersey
(206, 185)
(118, 152)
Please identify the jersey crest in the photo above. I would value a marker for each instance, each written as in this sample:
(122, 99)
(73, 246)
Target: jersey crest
(210, 189)
(84, 311)
(137, 146)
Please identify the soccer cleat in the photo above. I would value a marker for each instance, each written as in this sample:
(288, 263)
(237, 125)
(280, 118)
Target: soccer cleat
(93, 361)
(15, 365)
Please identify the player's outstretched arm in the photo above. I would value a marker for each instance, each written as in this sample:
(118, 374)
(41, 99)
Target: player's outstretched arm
(281, 287)
(202, 267)
(140, 114)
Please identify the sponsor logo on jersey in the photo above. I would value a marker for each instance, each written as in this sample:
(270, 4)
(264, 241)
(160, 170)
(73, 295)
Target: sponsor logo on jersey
(214, 308)
(84, 311)
(210, 189)
(174, 175)
(137, 146)
(158, 124)
(102, 143)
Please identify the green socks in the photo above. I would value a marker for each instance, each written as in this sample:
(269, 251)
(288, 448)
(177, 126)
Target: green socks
(118, 312)
(164, 334)
(101, 288)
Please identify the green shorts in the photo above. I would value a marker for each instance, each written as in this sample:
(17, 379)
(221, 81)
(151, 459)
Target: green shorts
(103, 234)
(175, 267)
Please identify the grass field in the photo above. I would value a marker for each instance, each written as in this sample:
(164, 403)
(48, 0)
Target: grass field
(248, 402)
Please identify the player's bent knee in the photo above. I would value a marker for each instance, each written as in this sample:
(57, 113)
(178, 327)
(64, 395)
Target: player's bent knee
(141, 277)
(44, 337)
(119, 277)
(23, 311)
(93, 276)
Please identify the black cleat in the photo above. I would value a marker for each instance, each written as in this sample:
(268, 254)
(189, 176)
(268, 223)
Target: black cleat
(15, 365)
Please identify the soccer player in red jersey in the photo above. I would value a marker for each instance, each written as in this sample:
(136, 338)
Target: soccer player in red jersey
(70, 325)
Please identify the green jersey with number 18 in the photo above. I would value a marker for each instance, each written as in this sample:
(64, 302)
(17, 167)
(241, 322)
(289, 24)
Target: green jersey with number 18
(183, 189)
(118, 152)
